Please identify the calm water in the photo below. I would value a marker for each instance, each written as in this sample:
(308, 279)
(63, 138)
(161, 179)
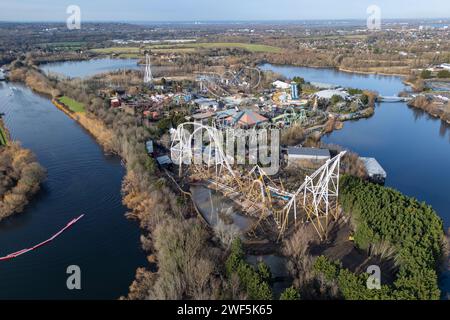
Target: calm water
(412, 147)
(211, 204)
(82, 69)
(81, 179)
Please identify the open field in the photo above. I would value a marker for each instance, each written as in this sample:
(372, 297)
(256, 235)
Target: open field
(188, 47)
(66, 46)
(73, 105)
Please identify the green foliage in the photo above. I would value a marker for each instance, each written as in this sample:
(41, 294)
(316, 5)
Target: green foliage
(426, 74)
(377, 51)
(264, 271)
(443, 74)
(235, 257)
(290, 294)
(330, 270)
(256, 287)
(181, 201)
(354, 91)
(3, 139)
(351, 286)
(336, 98)
(164, 125)
(365, 99)
(150, 165)
(413, 228)
(172, 121)
(256, 283)
(299, 80)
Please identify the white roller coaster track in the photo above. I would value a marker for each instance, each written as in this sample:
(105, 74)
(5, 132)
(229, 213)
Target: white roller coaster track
(317, 196)
(233, 79)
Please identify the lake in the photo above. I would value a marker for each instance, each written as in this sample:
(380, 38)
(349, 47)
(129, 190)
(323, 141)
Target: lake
(81, 180)
(88, 68)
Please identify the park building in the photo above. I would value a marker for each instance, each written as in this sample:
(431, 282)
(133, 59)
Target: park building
(310, 158)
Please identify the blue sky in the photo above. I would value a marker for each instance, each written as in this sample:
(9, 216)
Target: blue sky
(204, 10)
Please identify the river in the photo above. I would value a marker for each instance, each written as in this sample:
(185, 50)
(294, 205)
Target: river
(81, 180)
(413, 147)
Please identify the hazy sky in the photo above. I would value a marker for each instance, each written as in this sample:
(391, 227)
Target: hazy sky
(203, 10)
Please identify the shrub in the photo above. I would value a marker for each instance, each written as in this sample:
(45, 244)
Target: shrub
(255, 283)
(351, 286)
(336, 99)
(365, 99)
(290, 294)
(354, 91)
(426, 74)
(443, 74)
(264, 271)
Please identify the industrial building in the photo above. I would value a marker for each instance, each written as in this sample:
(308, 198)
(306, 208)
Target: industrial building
(328, 94)
(308, 157)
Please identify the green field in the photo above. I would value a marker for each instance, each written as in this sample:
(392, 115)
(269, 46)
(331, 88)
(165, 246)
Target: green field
(68, 46)
(64, 44)
(247, 46)
(73, 105)
(187, 47)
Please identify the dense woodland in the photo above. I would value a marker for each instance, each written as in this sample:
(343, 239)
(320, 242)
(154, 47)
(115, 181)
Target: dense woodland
(20, 178)
(384, 218)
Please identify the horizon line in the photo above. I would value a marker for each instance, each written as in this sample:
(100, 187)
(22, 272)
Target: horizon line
(225, 20)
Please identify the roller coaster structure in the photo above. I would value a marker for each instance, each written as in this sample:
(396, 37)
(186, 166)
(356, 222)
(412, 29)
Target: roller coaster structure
(218, 84)
(315, 201)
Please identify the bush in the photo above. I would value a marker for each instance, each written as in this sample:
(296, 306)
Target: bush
(299, 80)
(443, 74)
(354, 91)
(290, 294)
(264, 271)
(351, 286)
(336, 99)
(365, 99)
(326, 268)
(255, 283)
(426, 74)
